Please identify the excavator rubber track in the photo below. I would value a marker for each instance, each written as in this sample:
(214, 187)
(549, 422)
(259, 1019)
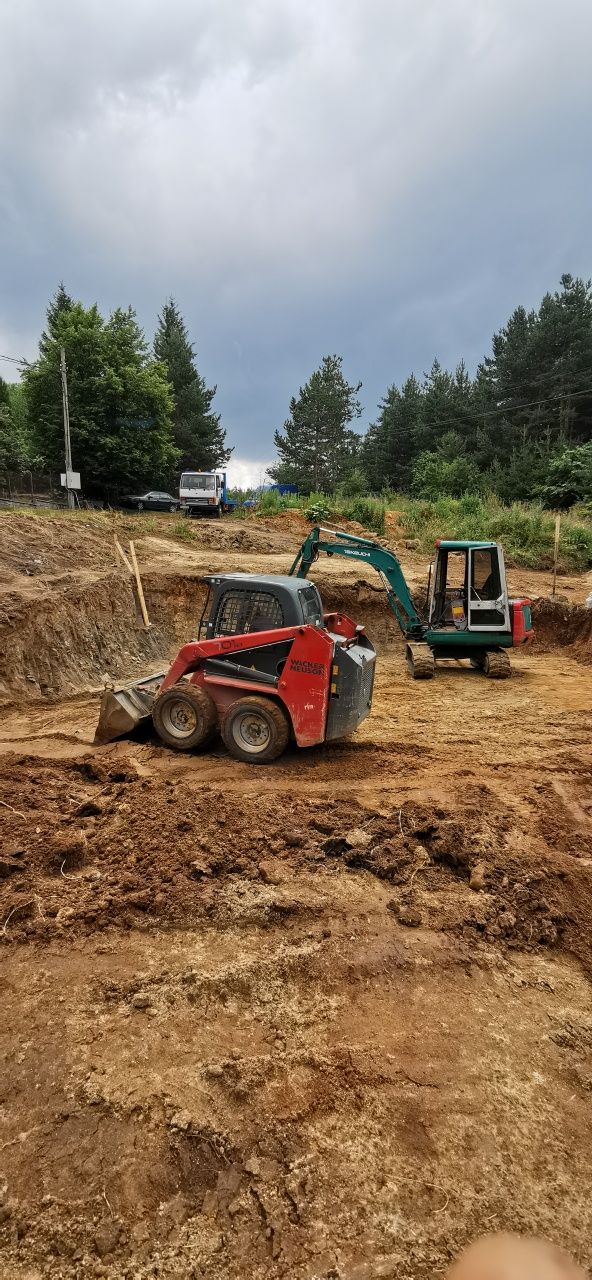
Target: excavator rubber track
(420, 661)
(496, 664)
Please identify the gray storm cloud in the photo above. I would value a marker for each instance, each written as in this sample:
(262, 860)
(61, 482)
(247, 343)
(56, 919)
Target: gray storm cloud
(386, 179)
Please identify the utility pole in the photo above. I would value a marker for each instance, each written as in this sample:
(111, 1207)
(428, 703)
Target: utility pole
(69, 492)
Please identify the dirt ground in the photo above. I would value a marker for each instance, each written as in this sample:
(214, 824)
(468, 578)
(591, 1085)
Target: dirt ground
(326, 1020)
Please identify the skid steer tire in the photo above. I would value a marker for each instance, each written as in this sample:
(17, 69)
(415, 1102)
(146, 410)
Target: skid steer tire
(184, 717)
(496, 665)
(255, 730)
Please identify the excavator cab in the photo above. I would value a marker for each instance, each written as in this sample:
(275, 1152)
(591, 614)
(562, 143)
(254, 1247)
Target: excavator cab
(468, 588)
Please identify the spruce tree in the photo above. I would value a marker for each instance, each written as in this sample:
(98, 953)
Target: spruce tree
(318, 448)
(198, 434)
(59, 304)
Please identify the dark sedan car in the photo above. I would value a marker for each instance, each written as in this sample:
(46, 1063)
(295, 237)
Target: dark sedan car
(152, 501)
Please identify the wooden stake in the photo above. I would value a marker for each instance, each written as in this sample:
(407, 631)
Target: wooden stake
(556, 549)
(121, 552)
(139, 585)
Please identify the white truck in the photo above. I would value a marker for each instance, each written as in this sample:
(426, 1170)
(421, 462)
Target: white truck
(204, 493)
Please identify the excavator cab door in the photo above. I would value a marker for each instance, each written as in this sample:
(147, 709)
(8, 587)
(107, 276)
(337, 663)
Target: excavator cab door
(489, 608)
(447, 606)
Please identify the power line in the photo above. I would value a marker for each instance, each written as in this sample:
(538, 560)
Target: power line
(507, 409)
(14, 359)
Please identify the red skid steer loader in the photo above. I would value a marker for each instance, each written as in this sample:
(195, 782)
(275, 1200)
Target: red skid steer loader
(268, 665)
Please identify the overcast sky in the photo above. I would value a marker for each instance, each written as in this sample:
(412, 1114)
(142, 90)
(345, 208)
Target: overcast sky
(384, 179)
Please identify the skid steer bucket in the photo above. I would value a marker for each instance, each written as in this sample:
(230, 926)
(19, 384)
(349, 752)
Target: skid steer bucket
(123, 709)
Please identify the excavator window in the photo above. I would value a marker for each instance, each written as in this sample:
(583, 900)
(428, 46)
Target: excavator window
(485, 577)
(450, 590)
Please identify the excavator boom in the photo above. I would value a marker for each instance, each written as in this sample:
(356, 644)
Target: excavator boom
(334, 542)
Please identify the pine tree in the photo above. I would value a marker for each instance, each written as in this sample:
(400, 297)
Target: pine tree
(198, 434)
(382, 446)
(317, 448)
(13, 453)
(120, 402)
(59, 304)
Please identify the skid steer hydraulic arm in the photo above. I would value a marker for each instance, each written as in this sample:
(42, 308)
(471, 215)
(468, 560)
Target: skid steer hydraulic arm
(334, 542)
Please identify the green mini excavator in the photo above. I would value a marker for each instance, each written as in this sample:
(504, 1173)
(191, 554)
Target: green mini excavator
(468, 614)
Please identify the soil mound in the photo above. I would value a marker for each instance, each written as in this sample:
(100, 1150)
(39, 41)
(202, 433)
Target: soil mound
(559, 623)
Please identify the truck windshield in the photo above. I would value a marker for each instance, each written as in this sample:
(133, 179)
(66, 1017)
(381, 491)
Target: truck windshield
(191, 480)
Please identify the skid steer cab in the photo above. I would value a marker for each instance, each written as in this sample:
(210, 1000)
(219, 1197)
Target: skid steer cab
(268, 666)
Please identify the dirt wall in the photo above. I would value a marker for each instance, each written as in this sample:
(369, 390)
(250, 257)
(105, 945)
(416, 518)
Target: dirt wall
(558, 623)
(64, 642)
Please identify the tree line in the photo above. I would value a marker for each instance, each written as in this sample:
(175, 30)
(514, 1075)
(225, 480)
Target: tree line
(138, 415)
(520, 428)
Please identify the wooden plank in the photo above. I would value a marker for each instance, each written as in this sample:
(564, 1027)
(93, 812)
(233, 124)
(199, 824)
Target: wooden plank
(139, 585)
(556, 549)
(121, 553)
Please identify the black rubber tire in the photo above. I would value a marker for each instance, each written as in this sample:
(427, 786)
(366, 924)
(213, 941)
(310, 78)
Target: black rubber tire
(140, 506)
(253, 712)
(173, 508)
(185, 717)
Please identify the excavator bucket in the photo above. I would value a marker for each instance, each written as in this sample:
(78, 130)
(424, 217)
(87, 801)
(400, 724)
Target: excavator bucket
(125, 708)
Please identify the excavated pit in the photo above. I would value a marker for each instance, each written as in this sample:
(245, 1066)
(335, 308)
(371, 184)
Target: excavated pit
(67, 640)
(326, 1020)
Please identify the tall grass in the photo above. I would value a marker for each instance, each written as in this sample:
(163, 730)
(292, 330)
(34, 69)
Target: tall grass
(526, 530)
(182, 529)
(319, 507)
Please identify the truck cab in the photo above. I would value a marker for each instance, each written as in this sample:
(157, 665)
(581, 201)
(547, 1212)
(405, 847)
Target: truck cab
(204, 493)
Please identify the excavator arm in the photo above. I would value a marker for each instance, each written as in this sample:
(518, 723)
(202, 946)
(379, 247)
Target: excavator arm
(334, 542)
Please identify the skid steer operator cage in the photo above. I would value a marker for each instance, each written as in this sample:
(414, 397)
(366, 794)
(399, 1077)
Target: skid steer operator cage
(239, 612)
(232, 607)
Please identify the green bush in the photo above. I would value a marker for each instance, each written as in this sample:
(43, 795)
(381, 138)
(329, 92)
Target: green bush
(271, 502)
(317, 512)
(569, 478)
(370, 512)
